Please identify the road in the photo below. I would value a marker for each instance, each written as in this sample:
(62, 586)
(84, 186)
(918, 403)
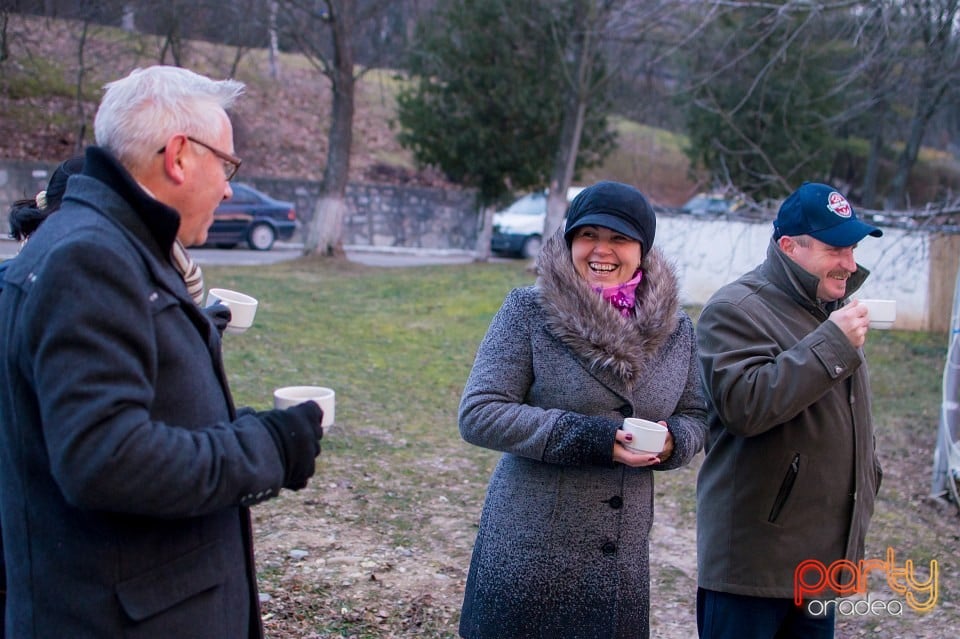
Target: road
(369, 255)
(372, 256)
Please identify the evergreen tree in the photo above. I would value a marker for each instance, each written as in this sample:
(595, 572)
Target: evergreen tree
(486, 102)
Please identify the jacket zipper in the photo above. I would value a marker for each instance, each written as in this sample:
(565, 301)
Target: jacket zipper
(788, 480)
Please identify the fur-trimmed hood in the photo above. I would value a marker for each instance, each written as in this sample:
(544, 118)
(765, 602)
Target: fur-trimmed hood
(592, 328)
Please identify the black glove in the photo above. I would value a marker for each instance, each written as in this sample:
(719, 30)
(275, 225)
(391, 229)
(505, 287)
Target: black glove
(297, 433)
(219, 314)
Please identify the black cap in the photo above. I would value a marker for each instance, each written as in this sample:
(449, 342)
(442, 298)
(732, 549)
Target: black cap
(615, 206)
(57, 184)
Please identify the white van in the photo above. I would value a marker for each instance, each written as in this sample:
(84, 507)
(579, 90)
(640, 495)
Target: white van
(518, 229)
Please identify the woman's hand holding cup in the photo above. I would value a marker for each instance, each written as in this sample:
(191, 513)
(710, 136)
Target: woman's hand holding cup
(635, 436)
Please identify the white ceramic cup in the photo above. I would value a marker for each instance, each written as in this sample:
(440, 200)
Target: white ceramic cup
(242, 307)
(882, 313)
(292, 395)
(648, 437)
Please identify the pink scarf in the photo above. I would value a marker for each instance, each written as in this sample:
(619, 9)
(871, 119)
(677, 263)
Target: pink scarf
(622, 296)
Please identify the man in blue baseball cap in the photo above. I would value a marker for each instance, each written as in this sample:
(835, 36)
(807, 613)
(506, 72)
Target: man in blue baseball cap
(790, 473)
(821, 231)
(819, 210)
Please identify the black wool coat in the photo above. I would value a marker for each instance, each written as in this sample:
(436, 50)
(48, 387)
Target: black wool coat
(126, 472)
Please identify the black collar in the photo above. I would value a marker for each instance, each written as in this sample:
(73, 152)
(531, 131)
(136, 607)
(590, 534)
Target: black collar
(161, 221)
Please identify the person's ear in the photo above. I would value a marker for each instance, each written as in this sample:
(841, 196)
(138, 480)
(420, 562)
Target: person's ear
(787, 244)
(175, 157)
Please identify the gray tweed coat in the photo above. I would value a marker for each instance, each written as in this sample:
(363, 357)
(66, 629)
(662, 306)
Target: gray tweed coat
(562, 550)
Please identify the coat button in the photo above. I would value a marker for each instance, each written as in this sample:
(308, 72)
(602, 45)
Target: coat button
(615, 502)
(608, 548)
(626, 410)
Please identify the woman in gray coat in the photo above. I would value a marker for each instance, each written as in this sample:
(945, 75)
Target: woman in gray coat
(562, 550)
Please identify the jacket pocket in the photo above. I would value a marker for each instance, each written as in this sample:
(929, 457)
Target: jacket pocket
(786, 487)
(171, 583)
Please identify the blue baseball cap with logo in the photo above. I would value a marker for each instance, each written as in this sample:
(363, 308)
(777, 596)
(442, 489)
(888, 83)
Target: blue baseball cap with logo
(820, 211)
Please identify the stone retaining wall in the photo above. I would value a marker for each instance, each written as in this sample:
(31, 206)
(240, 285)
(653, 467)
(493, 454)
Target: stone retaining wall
(378, 214)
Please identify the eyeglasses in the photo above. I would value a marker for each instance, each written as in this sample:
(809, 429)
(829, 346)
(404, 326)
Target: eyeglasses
(231, 163)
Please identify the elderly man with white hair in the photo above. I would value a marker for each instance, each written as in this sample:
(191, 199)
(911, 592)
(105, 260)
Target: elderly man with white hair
(127, 471)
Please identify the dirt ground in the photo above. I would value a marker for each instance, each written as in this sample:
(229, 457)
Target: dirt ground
(321, 566)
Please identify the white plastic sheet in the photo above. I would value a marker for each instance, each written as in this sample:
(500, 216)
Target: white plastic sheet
(946, 458)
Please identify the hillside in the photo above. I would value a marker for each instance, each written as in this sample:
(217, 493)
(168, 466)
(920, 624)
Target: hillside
(280, 125)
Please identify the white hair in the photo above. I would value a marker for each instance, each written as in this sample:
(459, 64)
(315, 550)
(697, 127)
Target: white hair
(140, 112)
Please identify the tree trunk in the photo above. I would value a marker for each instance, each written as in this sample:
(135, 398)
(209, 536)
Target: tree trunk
(936, 76)
(4, 43)
(872, 170)
(485, 233)
(574, 112)
(328, 212)
(173, 44)
(238, 52)
(79, 101)
(128, 19)
(325, 232)
(564, 165)
(908, 157)
(273, 7)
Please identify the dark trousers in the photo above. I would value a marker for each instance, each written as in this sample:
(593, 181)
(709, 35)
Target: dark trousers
(722, 615)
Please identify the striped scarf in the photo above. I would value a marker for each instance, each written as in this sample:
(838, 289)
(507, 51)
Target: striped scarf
(189, 271)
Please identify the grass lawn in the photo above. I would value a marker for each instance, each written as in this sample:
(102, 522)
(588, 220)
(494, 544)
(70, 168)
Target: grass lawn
(378, 545)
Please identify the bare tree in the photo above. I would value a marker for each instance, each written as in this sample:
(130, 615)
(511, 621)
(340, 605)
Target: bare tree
(175, 21)
(4, 45)
(762, 94)
(332, 55)
(81, 75)
(890, 67)
(875, 79)
(604, 33)
(582, 50)
(241, 28)
(938, 48)
(324, 31)
(274, 48)
(326, 229)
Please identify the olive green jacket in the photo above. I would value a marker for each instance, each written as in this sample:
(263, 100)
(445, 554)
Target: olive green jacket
(790, 472)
